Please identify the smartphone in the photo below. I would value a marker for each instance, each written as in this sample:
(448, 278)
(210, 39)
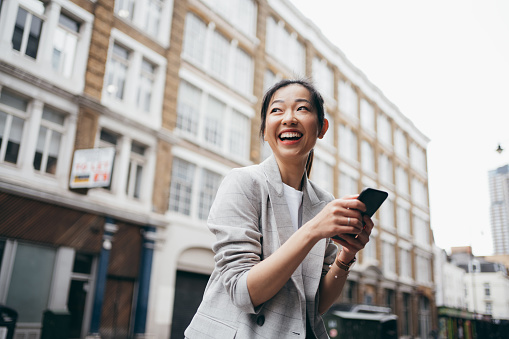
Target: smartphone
(373, 199)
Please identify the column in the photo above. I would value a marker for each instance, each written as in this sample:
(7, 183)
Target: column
(100, 285)
(147, 252)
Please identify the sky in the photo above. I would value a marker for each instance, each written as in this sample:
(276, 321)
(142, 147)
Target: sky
(445, 65)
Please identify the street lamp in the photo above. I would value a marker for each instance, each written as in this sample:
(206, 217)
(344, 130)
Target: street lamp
(499, 149)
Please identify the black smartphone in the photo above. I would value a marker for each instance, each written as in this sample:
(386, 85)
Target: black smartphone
(373, 199)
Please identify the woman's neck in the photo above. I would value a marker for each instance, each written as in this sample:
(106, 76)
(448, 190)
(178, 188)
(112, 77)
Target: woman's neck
(292, 173)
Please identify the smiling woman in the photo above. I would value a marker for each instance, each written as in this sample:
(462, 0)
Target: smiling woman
(277, 269)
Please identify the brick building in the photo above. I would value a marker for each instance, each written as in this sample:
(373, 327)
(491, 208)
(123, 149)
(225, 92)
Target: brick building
(175, 88)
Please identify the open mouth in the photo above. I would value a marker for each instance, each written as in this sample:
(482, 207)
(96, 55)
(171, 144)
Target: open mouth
(290, 136)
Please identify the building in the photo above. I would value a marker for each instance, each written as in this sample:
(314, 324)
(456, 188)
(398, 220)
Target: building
(486, 284)
(77, 262)
(451, 301)
(174, 87)
(499, 208)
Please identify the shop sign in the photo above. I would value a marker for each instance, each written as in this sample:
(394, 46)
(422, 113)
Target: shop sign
(92, 167)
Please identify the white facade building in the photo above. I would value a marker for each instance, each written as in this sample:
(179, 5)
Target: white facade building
(450, 282)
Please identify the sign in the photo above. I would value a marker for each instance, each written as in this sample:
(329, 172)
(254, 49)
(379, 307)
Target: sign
(92, 167)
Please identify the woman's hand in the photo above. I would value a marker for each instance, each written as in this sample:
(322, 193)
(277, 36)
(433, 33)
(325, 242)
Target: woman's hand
(354, 243)
(339, 217)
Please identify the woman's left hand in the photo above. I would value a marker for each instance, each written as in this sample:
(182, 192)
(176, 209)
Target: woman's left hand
(353, 243)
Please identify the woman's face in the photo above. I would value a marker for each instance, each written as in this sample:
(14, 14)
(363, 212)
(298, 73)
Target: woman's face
(291, 125)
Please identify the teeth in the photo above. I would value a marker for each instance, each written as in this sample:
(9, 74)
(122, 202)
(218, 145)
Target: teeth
(291, 135)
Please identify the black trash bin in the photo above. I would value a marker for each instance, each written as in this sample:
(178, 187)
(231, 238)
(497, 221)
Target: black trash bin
(8, 318)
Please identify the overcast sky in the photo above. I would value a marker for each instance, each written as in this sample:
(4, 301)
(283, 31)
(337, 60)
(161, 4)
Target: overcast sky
(445, 65)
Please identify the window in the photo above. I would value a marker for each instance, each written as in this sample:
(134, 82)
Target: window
(146, 84)
(385, 169)
(400, 144)
(191, 183)
(218, 55)
(240, 13)
(49, 39)
(487, 290)
(188, 107)
(26, 295)
(369, 251)
(117, 71)
(110, 139)
(407, 314)
(417, 158)
(49, 141)
(215, 125)
(401, 180)
(243, 73)
(133, 164)
(27, 31)
(281, 43)
(403, 220)
(213, 121)
(421, 230)
(194, 39)
(347, 184)
(12, 119)
(419, 192)
(368, 157)
(182, 176)
(489, 308)
(134, 81)
(423, 268)
(239, 144)
(324, 77)
(367, 116)
(405, 265)
(153, 14)
(347, 143)
(387, 214)
(124, 8)
(388, 258)
(147, 15)
(220, 48)
(384, 129)
(209, 184)
(322, 174)
(269, 80)
(135, 172)
(65, 43)
(348, 99)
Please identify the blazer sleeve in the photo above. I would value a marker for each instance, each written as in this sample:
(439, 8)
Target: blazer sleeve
(234, 219)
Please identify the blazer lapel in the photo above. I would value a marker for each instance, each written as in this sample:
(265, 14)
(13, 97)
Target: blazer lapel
(313, 263)
(281, 212)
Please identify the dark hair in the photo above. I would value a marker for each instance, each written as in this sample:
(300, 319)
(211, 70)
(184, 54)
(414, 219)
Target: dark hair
(316, 101)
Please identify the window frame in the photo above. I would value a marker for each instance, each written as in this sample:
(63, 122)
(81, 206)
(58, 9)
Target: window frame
(128, 105)
(42, 65)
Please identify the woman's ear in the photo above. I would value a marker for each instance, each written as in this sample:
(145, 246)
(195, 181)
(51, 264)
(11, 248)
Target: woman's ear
(325, 127)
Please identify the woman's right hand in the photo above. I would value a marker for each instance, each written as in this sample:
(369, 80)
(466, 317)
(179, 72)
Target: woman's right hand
(340, 216)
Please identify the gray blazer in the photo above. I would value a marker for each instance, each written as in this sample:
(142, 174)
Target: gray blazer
(251, 220)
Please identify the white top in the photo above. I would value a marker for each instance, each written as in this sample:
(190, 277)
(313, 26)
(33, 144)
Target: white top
(294, 202)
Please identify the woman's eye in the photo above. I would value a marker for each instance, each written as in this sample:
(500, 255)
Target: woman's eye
(301, 108)
(275, 110)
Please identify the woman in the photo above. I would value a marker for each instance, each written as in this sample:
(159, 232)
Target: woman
(276, 267)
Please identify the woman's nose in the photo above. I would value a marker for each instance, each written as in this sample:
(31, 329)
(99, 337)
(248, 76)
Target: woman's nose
(289, 118)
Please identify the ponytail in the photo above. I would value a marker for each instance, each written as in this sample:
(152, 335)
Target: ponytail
(309, 162)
